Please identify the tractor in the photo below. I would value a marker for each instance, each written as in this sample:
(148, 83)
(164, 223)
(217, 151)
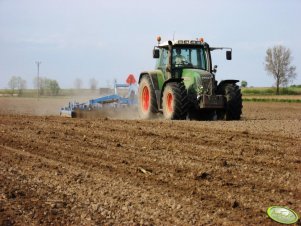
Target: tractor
(183, 84)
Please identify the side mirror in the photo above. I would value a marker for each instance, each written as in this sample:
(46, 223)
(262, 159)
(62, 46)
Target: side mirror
(214, 69)
(229, 55)
(156, 53)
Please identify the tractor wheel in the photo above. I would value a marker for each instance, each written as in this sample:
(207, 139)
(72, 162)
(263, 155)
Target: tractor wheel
(233, 105)
(175, 101)
(147, 103)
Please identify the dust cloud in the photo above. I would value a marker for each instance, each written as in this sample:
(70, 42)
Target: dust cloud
(50, 106)
(31, 106)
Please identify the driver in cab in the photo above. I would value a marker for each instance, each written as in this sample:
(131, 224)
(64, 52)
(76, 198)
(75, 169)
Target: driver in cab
(178, 58)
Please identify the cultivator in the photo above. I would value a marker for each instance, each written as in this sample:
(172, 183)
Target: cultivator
(94, 106)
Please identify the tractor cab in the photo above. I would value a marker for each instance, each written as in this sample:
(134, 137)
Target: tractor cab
(173, 56)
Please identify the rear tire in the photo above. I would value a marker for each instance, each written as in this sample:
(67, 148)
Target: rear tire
(233, 105)
(175, 101)
(147, 102)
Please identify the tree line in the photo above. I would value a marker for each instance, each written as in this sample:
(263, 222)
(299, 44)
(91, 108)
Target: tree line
(44, 85)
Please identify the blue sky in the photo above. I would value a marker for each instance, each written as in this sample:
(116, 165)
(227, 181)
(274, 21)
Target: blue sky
(108, 40)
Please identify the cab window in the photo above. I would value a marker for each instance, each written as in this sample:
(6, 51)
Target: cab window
(189, 57)
(163, 60)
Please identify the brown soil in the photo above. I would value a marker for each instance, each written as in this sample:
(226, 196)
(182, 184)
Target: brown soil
(66, 171)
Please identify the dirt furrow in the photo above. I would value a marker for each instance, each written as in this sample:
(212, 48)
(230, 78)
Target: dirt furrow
(94, 171)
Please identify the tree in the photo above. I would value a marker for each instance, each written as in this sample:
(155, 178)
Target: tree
(52, 86)
(17, 83)
(93, 83)
(12, 83)
(47, 86)
(278, 64)
(78, 83)
(244, 83)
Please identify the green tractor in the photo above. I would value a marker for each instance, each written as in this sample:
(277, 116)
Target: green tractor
(183, 84)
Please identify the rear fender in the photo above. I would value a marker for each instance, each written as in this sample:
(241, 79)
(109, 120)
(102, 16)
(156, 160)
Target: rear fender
(228, 81)
(153, 77)
(224, 82)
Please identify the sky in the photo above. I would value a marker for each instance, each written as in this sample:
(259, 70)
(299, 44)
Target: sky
(109, 40)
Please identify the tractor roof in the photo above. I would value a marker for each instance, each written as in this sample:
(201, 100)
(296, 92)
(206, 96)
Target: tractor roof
(182, 42)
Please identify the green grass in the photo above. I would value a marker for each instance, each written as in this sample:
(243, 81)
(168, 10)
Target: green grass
(268, 94)
(293, 90)
(271, 100)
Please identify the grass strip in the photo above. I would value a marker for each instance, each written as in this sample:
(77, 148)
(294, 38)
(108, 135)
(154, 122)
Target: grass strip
(271, 100)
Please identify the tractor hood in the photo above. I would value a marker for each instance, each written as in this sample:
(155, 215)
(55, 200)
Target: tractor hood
(196, 72)
(196, 77)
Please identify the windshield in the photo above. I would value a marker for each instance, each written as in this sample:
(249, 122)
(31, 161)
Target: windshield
(191, 57)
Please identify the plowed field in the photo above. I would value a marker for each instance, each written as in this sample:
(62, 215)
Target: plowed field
(100, 171)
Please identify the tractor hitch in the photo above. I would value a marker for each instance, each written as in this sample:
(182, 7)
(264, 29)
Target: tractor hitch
(211, 101)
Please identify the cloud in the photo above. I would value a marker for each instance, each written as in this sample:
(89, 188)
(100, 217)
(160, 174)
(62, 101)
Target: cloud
(255, 46)
(55, 40)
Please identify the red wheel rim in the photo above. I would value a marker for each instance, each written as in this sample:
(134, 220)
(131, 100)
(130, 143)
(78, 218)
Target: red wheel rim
(169, 102)
(145, 98)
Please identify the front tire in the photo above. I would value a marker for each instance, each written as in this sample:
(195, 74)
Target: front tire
(175, 101)
(147, 102)
(233, 105)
